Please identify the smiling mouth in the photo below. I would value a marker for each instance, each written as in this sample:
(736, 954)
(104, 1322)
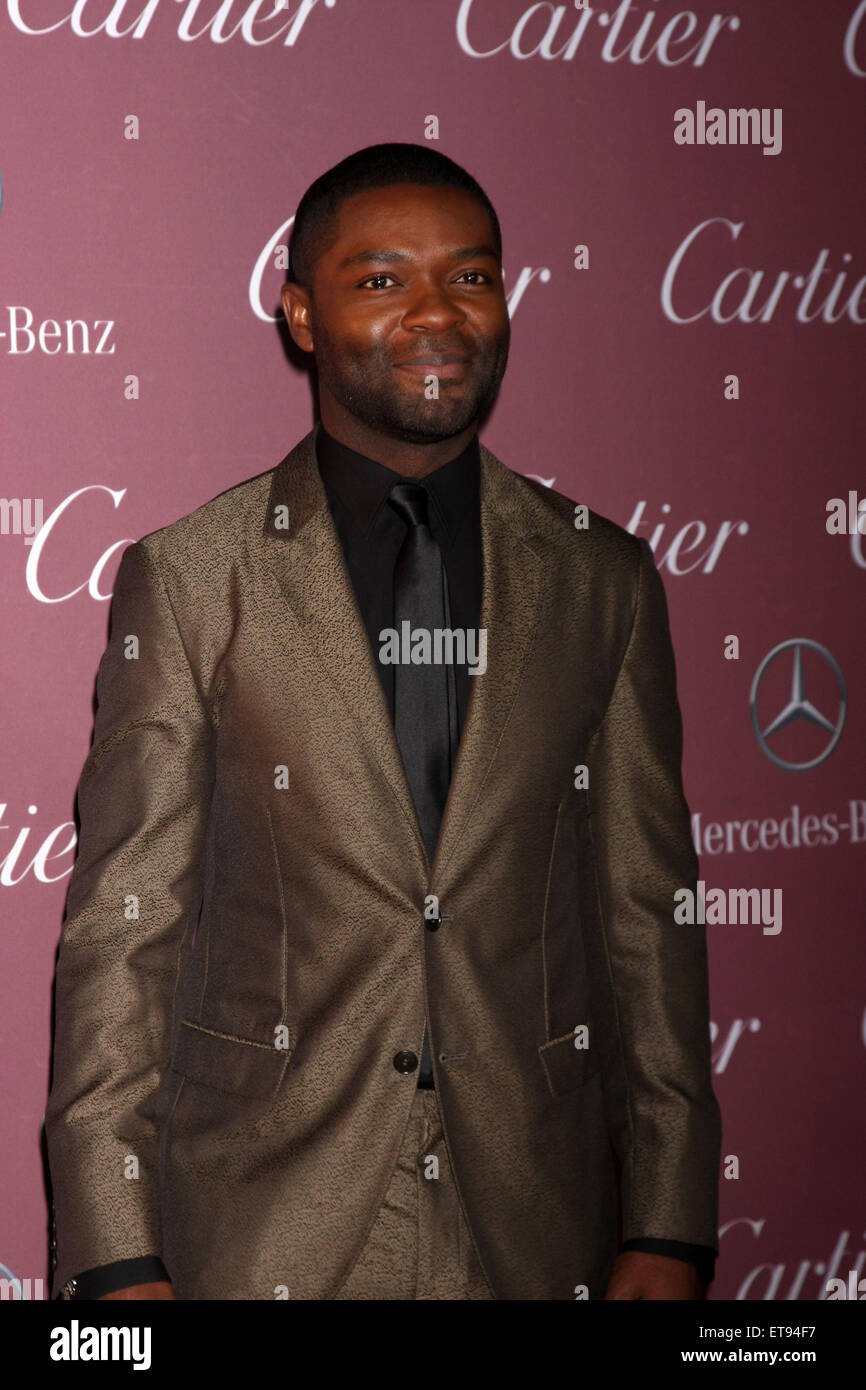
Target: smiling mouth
(448, 367)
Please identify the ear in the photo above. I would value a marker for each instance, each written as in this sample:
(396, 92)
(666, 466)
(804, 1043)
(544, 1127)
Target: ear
(296, 307)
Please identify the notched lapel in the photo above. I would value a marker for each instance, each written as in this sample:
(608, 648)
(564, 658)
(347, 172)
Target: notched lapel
(303, 550)
(511, 591)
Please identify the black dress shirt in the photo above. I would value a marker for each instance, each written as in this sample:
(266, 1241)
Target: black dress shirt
(371, 535)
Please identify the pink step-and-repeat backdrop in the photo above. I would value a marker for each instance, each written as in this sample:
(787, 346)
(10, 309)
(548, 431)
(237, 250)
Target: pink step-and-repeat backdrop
(681, 195)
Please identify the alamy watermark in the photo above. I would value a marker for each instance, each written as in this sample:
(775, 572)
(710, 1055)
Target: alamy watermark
(735, 906)
(421, 646)
(21, 516)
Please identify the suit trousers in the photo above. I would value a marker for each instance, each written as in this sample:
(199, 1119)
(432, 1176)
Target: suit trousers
(419, 1246)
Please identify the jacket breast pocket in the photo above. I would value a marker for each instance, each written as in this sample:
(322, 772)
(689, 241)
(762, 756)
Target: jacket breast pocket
(228, 1063)
(569, 1056)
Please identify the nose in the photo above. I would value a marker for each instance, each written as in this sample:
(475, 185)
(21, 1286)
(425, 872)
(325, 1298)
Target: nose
(432, 307)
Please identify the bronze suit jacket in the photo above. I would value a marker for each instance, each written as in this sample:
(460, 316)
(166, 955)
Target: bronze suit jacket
(244, 950)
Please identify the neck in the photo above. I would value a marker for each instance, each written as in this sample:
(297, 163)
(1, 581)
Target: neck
(409, 460)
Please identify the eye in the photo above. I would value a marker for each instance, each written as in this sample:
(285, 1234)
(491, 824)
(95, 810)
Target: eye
(483, 278)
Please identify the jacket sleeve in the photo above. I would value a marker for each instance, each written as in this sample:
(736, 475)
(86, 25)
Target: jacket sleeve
(701, 1256)
(133, 895)
(122, 1274)
(667, 1127)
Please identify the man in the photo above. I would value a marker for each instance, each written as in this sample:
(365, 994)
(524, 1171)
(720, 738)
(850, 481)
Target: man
(369, 985)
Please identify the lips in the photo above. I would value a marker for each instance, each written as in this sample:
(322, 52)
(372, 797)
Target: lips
(441, 364)
(431, 359)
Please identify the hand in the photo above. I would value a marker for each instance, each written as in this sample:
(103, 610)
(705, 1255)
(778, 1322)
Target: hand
(637, 1274)
(160, 1289)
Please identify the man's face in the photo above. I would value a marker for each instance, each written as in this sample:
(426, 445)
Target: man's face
(411, 278)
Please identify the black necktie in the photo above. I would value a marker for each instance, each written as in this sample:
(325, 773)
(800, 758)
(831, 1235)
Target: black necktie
(424, 706)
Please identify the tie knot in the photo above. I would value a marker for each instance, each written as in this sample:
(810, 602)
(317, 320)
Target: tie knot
(411, 502)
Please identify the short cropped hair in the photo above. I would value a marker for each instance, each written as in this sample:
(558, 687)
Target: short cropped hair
(376, 166)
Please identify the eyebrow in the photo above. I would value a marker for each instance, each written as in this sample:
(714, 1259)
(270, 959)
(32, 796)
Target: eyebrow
(462, 253)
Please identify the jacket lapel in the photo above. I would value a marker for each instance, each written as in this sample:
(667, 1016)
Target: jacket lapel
(511, 592)
(304, 551)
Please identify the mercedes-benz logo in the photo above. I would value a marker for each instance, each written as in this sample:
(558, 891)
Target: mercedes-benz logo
(798, 707)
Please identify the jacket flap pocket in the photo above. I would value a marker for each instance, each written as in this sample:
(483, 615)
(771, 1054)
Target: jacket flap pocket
(567, 1066)
(227, 1063)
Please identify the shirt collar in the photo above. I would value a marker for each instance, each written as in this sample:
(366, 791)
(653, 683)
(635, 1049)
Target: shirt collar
(361, 484)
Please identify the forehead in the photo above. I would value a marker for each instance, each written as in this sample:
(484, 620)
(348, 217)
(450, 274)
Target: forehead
(415, 214)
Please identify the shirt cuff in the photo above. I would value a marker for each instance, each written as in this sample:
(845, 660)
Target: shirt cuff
(122, 1274)
(703, 1257)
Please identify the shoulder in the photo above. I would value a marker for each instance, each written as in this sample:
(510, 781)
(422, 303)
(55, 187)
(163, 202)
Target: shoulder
(204, 544)
(563, 514)
(554, 522)
(218, 521)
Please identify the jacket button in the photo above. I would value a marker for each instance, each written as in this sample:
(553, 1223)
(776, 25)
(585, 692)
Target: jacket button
(405, 1062)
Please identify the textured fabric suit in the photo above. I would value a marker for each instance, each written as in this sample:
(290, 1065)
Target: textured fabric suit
(245, 949)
